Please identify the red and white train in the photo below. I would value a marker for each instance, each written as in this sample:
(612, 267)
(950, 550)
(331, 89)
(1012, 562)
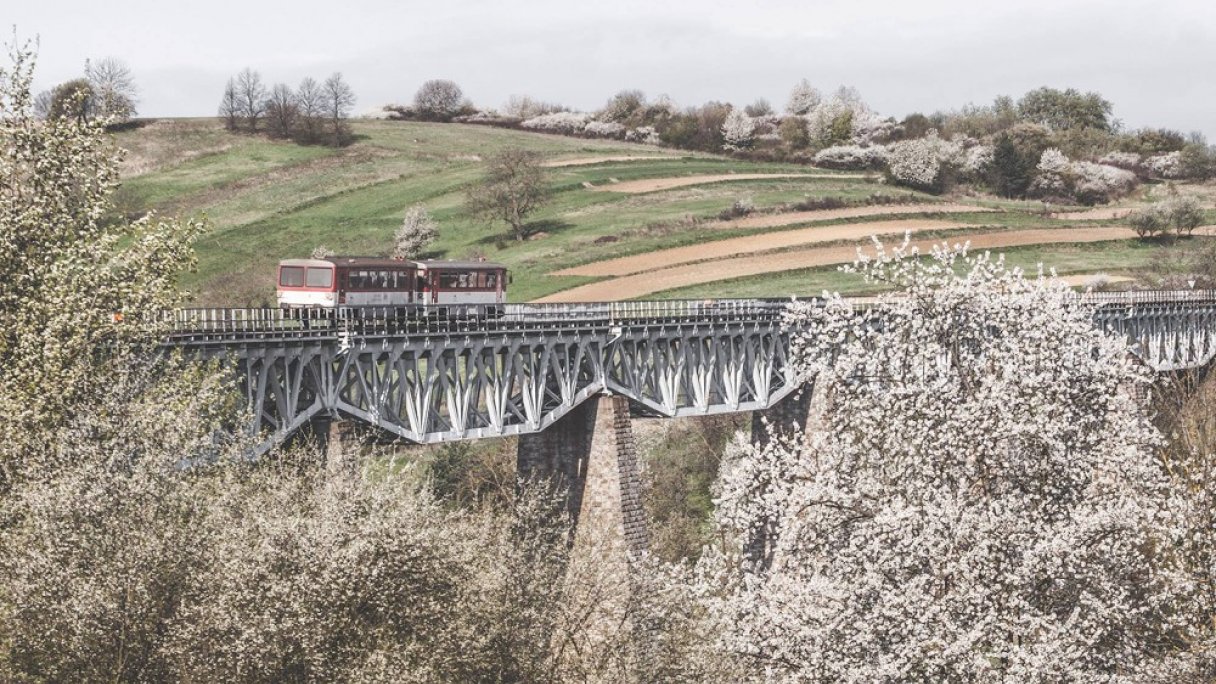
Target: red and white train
(443, 287)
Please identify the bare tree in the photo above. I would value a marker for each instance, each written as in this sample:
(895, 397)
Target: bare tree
(310, 101)
(282, 112)
(230, 107)
(42, 104)
(250, 97)
(338, 99)
(438, 99)
(514, 187)
(114, 88)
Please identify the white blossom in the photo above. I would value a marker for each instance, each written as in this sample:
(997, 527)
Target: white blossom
(643, 134)
(980, 500)
(1167, 165)
(738, 130)
(559, 122)
(803, 99)
(923, 162)
(604, 129)
(851, 157)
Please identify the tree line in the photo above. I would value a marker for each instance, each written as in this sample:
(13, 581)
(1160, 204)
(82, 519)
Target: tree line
(312, 113)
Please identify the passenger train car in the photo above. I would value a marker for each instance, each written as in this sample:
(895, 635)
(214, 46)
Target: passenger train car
(444, 287)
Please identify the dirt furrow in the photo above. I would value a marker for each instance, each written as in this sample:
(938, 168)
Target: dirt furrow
(640, 284)
(719, 249)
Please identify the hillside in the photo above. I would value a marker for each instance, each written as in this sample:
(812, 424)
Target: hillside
(269, 200)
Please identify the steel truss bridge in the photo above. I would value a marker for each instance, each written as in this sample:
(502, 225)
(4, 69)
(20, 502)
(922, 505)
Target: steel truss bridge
(435, 380)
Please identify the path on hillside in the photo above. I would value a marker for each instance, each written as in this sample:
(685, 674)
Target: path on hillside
(656, 184)
(793, 217)
(765, 242)
(638, 285)
(586, 161)
(1099, 214)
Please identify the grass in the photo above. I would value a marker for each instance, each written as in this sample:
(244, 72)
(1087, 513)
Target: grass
(267, 200)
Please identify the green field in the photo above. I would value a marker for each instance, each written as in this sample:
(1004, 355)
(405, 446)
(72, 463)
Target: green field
(270, 200)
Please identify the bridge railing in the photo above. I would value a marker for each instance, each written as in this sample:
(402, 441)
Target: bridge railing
(273, 322)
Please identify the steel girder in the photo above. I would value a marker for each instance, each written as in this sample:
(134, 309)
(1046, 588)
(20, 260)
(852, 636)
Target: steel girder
(427, 389)
(1168, 337)
(440, 386)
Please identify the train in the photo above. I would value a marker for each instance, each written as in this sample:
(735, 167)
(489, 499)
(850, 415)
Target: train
(402, 287)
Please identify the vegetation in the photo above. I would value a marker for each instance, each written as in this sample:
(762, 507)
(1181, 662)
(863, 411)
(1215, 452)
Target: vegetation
(311, 114)
(416, 233)
(513, 188)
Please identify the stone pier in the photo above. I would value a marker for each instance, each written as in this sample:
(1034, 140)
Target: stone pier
(591, 456)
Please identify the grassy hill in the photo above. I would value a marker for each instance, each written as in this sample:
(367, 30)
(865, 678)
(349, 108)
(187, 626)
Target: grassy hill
(270, 200)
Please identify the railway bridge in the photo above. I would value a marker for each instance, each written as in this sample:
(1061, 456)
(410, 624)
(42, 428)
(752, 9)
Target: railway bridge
(566, 378)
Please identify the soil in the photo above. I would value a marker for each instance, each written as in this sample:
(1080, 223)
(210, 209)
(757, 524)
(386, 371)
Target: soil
(641, 284)
(719, 249)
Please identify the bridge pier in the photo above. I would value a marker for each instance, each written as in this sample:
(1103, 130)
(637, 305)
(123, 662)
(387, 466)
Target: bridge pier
(591, 455)
(338, 441)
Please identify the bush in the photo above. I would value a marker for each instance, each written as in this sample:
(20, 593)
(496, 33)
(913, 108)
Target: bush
(927, 163)
(604, 129)
(1179, 214)
(569, 123)
(738, 209)
(1167, 166)
(738, 131)
(793, 132)
(852, 157)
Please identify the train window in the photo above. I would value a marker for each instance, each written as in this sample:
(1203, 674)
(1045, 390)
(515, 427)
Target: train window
(491, 281)
(449, 281)
(291, 276)
(320, 277)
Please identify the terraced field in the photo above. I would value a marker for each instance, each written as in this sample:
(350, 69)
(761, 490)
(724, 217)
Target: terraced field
(618, 210)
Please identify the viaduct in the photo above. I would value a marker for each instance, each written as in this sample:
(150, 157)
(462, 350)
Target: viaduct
(566, 378)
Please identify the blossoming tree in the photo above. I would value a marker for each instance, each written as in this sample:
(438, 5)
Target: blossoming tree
(980, 502)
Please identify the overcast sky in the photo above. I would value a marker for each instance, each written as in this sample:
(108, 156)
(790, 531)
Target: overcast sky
(1156, 61)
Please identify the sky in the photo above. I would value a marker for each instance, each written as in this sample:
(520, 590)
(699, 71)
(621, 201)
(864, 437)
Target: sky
(1155, 61)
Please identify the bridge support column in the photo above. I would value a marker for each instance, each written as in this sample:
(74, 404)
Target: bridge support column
(339, 443)
(592, 455)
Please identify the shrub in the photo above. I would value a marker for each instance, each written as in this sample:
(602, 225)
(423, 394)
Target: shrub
(1128, 161)
(925, 164)
(569, 123)
(854, 157)
(793, 132)
(1178, 214)
(978, 161)
(1165, 166)
(738, 209)
(1096, 183)
(604, 129)
(643, 134)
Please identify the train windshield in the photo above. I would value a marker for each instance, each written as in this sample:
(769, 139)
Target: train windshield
(320, 277)
(291, 276)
